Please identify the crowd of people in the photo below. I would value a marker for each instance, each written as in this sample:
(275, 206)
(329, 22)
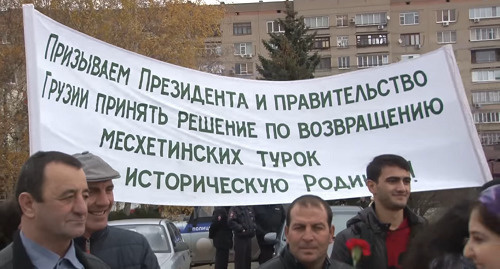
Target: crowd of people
(59, 219)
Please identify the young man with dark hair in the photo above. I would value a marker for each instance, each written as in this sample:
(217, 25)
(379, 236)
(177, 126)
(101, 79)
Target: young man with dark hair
(388, 224)
(119, 248)
(309, 232)
(51, 194)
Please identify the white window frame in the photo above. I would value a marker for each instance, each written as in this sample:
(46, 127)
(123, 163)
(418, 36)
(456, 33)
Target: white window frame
(447, 37)
(275, 27)
(244, 48)
(344, 62)
(409, 18)
(342, 20)
(378, 18)
(243, 67)
(372, 40)
(372, 60)
(412, 39)
(488, 75)
(487, 117)
(442, 14)
(485, 33)
(343, 41)
(486, 97)
(317, 22)
(484, 12)
(492, 138)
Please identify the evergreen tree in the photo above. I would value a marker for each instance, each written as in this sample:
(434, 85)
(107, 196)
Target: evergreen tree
(289, 51)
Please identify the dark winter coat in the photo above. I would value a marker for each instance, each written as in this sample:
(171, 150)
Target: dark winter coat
(14, 256)
(120, 248)
(241, 220)
(366, 226)
(268, 218)
(285, 260)
(219, 230)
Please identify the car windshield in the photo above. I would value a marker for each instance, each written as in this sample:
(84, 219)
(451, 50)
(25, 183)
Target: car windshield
(154, 233)
(340, 219)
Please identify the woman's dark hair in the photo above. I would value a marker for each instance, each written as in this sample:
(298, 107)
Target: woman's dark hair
(440, 238)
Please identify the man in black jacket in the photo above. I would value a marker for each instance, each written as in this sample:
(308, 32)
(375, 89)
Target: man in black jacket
(51, 192)
(268, 218)
(117, 247)
(308, 232)
(222, 236)
(388, 224)
(242, 221)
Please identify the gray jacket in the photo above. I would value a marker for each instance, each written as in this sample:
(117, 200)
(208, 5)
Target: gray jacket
(15, 256)
(366, 226)
(120, 248)
(286, 260)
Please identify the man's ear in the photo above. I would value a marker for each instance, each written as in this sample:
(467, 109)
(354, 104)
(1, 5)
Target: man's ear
(286, 230)
(27, 203)
(371, 185)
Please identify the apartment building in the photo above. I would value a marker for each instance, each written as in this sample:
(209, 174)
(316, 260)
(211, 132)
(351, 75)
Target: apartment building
(357, 34)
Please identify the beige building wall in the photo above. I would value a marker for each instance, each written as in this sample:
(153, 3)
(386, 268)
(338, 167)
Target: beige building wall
(363, 33)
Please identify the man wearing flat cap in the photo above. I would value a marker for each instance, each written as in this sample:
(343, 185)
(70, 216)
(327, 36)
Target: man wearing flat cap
(118, 248)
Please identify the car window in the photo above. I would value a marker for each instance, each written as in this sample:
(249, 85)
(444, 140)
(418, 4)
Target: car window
(340, 219)
(155, 234)
(177, 237)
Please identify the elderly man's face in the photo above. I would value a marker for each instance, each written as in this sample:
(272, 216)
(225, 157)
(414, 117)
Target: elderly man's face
(309, 234)
(62, 213)
(99, 205)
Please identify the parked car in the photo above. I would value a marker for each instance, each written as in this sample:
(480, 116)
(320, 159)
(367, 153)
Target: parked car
(164, 238)
(341, 214)
(194, 230)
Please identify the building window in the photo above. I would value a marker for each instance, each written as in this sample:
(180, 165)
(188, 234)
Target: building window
(410, 39)
(486, 97)
(371, 40)
(342, 20)
(486, 75)
(408, 18)
(484, 12)
(275, 27)
(371, 19)
(485, 33)
(485, 56)
(446, 37)
(445, 15)
(242, 28)
(243, 68)
(321, 42)
(317, 22)
(243, 48)
(409, 56)
(344, 62)
(213, 49)
(343, 41)
(486, 117)
(325, 63)
(489, 138)
(372, 60)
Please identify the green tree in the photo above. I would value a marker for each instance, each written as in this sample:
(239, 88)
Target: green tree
(289, 51)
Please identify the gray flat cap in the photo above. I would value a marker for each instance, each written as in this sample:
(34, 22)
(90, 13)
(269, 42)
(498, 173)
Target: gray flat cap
(95, 168)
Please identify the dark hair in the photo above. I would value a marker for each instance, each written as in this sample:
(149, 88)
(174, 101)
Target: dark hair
(310, 200)
(31, 177)
(374, 168)
(488, 219)
(438, 240)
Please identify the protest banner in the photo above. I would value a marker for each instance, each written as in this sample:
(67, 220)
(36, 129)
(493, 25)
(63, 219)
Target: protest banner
(183, 137)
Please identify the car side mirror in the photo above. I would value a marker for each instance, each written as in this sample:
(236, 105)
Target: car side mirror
(271, 238)
(181, 246)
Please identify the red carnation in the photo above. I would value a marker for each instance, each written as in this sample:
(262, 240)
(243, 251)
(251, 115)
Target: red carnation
(358, 248)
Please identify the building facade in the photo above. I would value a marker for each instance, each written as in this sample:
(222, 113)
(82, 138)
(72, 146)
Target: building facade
(358, 34)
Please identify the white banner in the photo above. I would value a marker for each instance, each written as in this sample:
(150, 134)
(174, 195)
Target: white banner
(182, 137)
